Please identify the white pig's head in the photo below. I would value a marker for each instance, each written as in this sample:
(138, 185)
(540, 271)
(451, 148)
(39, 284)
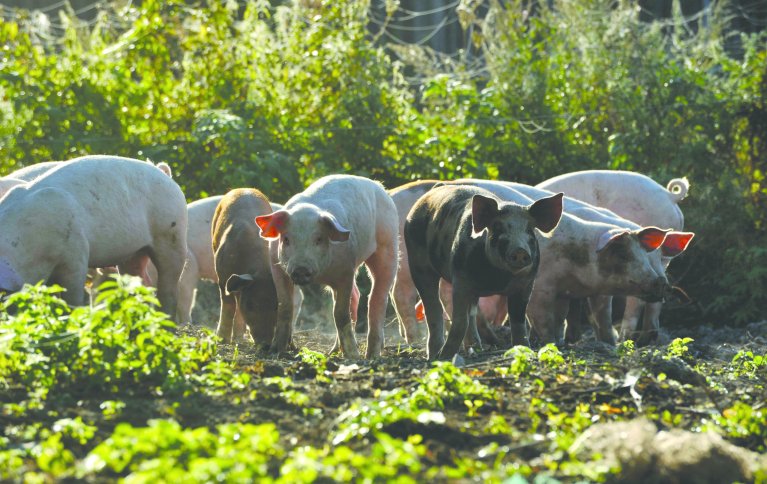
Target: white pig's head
(628, 261)
(306, 234)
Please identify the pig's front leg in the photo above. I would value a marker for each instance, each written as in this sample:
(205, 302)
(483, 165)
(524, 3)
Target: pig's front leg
(427, 285)
(341, 302)
(601, 307)
(631, 315)
(518, 304)
(283, 331)
(650, 323)
(463, 301)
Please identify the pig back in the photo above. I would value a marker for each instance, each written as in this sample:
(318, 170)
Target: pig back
(122, 204)
(237, 246)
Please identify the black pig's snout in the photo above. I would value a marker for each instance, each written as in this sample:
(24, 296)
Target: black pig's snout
(519, 258)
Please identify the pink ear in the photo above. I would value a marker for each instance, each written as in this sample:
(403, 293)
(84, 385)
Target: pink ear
(651, 238)
(483, 209)
(676, 243)
(610, 236)
(336, 231)
(272, 225)
(547, 212)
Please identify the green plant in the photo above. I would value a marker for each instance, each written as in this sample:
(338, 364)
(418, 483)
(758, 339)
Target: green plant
(522, 361)
(747, 363)
(678, 348)
(745, 424)
(164, 450)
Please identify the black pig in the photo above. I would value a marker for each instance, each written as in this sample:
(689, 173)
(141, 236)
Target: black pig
(483, 246)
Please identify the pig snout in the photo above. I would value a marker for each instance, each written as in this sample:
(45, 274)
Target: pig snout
(519, 258)
(658, 290)
(301, 275)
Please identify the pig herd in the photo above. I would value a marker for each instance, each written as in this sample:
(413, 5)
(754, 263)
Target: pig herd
(479, 252)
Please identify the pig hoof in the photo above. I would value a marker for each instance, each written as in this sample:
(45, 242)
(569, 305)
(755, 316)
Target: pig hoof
(458, 361)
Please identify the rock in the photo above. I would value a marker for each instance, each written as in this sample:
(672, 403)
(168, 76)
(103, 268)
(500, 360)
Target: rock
(625, 445)
(683, 456)
(644, 455)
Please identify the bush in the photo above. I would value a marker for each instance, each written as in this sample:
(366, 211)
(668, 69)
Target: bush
(277, 96)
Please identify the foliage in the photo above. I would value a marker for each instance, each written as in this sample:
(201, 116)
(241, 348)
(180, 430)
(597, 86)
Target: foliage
(45, 346)
(442, 386)
(165, 451)
(746, 424)
(277, 95)
(747, 363)
(678, 348)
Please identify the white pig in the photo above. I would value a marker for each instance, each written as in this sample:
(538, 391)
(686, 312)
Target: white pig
(638, 198)
(323, 235)
(6, 183)
(93, 211)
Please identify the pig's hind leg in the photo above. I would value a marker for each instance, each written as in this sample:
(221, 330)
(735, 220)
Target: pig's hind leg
(382, 266)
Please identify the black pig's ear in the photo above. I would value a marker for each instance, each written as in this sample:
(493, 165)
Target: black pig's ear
(546, 212)
(237, 282)
(483, 211)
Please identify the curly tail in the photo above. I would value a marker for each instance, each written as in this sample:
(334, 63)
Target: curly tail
(165, 168)
(678, 188)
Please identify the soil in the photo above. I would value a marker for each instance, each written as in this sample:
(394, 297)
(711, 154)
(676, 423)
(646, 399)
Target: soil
(673, 393)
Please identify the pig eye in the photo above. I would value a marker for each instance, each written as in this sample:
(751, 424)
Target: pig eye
(285, 240)
(317, 240)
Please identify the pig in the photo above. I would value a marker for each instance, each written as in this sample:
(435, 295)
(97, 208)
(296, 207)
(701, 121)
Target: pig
(587, 258)
(480, 244)
(200, 259)
(638, 198)
(93, 211)
(243, 266)
(404, 295)
(323, 235)
(239, 320)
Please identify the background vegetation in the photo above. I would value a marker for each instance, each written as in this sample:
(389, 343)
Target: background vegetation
(277, 96)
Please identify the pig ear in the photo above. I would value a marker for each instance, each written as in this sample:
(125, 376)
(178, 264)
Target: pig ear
(546, 212)
(272, 225)
(609, 237)
(676, 243)
(483, 210)
(651, 238)
(237, 282)
(336, 231)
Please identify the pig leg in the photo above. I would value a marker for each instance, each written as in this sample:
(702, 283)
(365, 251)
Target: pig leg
(169, 260)
(283, 331)
(187, 285)
(472, 335)
(427, 284)
(518, 304)
(575, 322)
(226, 317)
(240, 327)
(71, 276)
(631, 315)
(341, 301)
(405, 296)
(382, 267)
(463, 302)
(650, 323)
(601, 307)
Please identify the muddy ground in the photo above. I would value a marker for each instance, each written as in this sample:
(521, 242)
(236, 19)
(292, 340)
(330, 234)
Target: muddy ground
(561, 419)
(688, 391)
